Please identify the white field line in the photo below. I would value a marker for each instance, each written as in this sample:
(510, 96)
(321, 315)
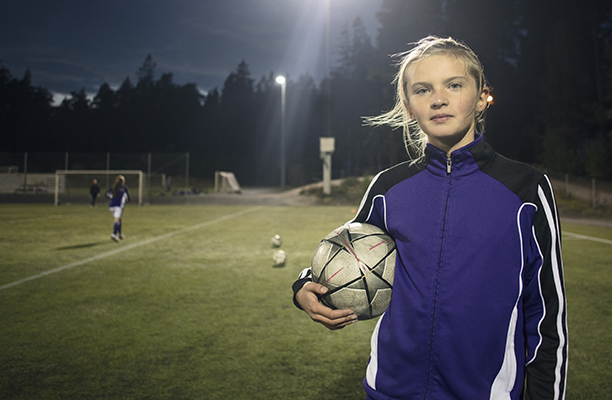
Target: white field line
(129, 247)
(584, 237)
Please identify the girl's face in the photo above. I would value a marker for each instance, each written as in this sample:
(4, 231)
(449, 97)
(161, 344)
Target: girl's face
(443, 99)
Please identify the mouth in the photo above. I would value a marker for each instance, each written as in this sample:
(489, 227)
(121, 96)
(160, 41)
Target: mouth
(439, 118)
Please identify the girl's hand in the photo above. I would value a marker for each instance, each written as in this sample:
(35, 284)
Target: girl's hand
(308, 299)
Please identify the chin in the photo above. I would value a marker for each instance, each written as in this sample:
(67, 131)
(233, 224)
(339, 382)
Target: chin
(448, 138)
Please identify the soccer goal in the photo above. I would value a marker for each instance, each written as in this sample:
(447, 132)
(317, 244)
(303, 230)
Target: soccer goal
(72, 186)
(226, 182)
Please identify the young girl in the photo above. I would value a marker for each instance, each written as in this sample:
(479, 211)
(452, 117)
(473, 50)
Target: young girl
(478, 306)
(119, 196)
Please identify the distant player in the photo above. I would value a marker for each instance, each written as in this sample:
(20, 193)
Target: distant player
(94, 191)
(119, 195)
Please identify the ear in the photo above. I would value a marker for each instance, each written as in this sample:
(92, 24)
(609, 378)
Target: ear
(482, 103)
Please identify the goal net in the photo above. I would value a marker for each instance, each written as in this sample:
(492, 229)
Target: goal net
(72, 186)
(225, 182)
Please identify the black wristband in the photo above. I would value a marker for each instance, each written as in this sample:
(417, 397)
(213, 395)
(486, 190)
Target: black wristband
(297, 285)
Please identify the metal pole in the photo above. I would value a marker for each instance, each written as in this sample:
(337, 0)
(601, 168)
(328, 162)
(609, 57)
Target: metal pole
(328, 105)
(594, 194)
(107, 167)
(283, 132)
(149, 174)
(56, 189)
(66, 162)
(327, 38)
(327, 173)
(25, 170)
(187, 170)
(140, 182)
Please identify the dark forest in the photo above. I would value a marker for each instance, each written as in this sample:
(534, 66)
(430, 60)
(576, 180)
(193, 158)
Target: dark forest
(550, 69)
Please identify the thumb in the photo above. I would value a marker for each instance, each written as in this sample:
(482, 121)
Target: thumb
(322, 289)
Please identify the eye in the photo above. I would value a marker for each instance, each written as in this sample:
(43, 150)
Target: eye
(455, 86)
(420, 91)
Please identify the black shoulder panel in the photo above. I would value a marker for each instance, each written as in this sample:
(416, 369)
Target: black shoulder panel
(397, 174)
(520, 178)
(384, 181)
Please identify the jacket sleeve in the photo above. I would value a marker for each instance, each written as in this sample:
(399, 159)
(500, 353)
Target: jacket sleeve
(545, 305)
(304, 278)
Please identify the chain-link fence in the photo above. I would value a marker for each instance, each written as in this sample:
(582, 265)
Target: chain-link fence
(30, 172)
(597, 192)
(170, 173)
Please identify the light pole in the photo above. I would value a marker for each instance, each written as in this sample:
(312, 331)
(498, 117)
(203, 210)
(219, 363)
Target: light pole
(283, 82)
(327, 37)
(327, 143)
(328, 118)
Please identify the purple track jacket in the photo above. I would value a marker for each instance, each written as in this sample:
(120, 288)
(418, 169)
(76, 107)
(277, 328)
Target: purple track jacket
(478, 306)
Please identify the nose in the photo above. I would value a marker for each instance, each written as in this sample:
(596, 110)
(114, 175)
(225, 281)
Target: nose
(438, 99)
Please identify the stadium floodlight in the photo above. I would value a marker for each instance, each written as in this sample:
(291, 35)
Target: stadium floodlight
(283, 82)
(80, 181)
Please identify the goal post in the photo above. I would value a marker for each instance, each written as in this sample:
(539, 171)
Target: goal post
(79, 181)
(226, 182)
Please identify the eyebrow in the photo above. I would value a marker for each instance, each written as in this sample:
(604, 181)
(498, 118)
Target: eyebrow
(461, 77)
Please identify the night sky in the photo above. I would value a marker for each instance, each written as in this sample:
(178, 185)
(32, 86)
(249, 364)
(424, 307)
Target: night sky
(69, 45)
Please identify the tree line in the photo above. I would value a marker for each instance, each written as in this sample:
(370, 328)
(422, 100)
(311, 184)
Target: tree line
(549, 67)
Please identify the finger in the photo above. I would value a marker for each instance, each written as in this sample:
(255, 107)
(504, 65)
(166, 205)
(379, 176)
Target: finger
(320, 308)
(336, 314)
(332, 319)
(316, 288)
(337, 324)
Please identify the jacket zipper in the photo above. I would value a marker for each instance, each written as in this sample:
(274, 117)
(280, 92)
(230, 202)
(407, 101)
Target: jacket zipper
(433, 317)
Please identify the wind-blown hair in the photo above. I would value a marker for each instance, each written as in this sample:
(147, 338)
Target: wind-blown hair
(415, 139)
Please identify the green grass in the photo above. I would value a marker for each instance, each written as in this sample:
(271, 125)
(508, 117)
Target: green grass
(588, 280)
(204, 314)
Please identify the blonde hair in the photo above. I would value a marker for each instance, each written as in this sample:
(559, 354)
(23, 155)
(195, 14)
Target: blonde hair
(415, 139)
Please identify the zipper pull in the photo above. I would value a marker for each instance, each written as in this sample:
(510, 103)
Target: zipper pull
(449, 163)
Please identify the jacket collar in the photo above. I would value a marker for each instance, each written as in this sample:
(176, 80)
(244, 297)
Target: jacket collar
(463, 161)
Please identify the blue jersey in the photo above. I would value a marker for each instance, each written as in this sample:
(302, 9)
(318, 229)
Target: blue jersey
(122, 196)
(478, 303)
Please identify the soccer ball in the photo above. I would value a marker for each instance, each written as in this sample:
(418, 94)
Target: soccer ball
(279, 257)
(356, 262)
(277, 241)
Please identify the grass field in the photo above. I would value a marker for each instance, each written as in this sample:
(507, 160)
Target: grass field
(190, 306)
